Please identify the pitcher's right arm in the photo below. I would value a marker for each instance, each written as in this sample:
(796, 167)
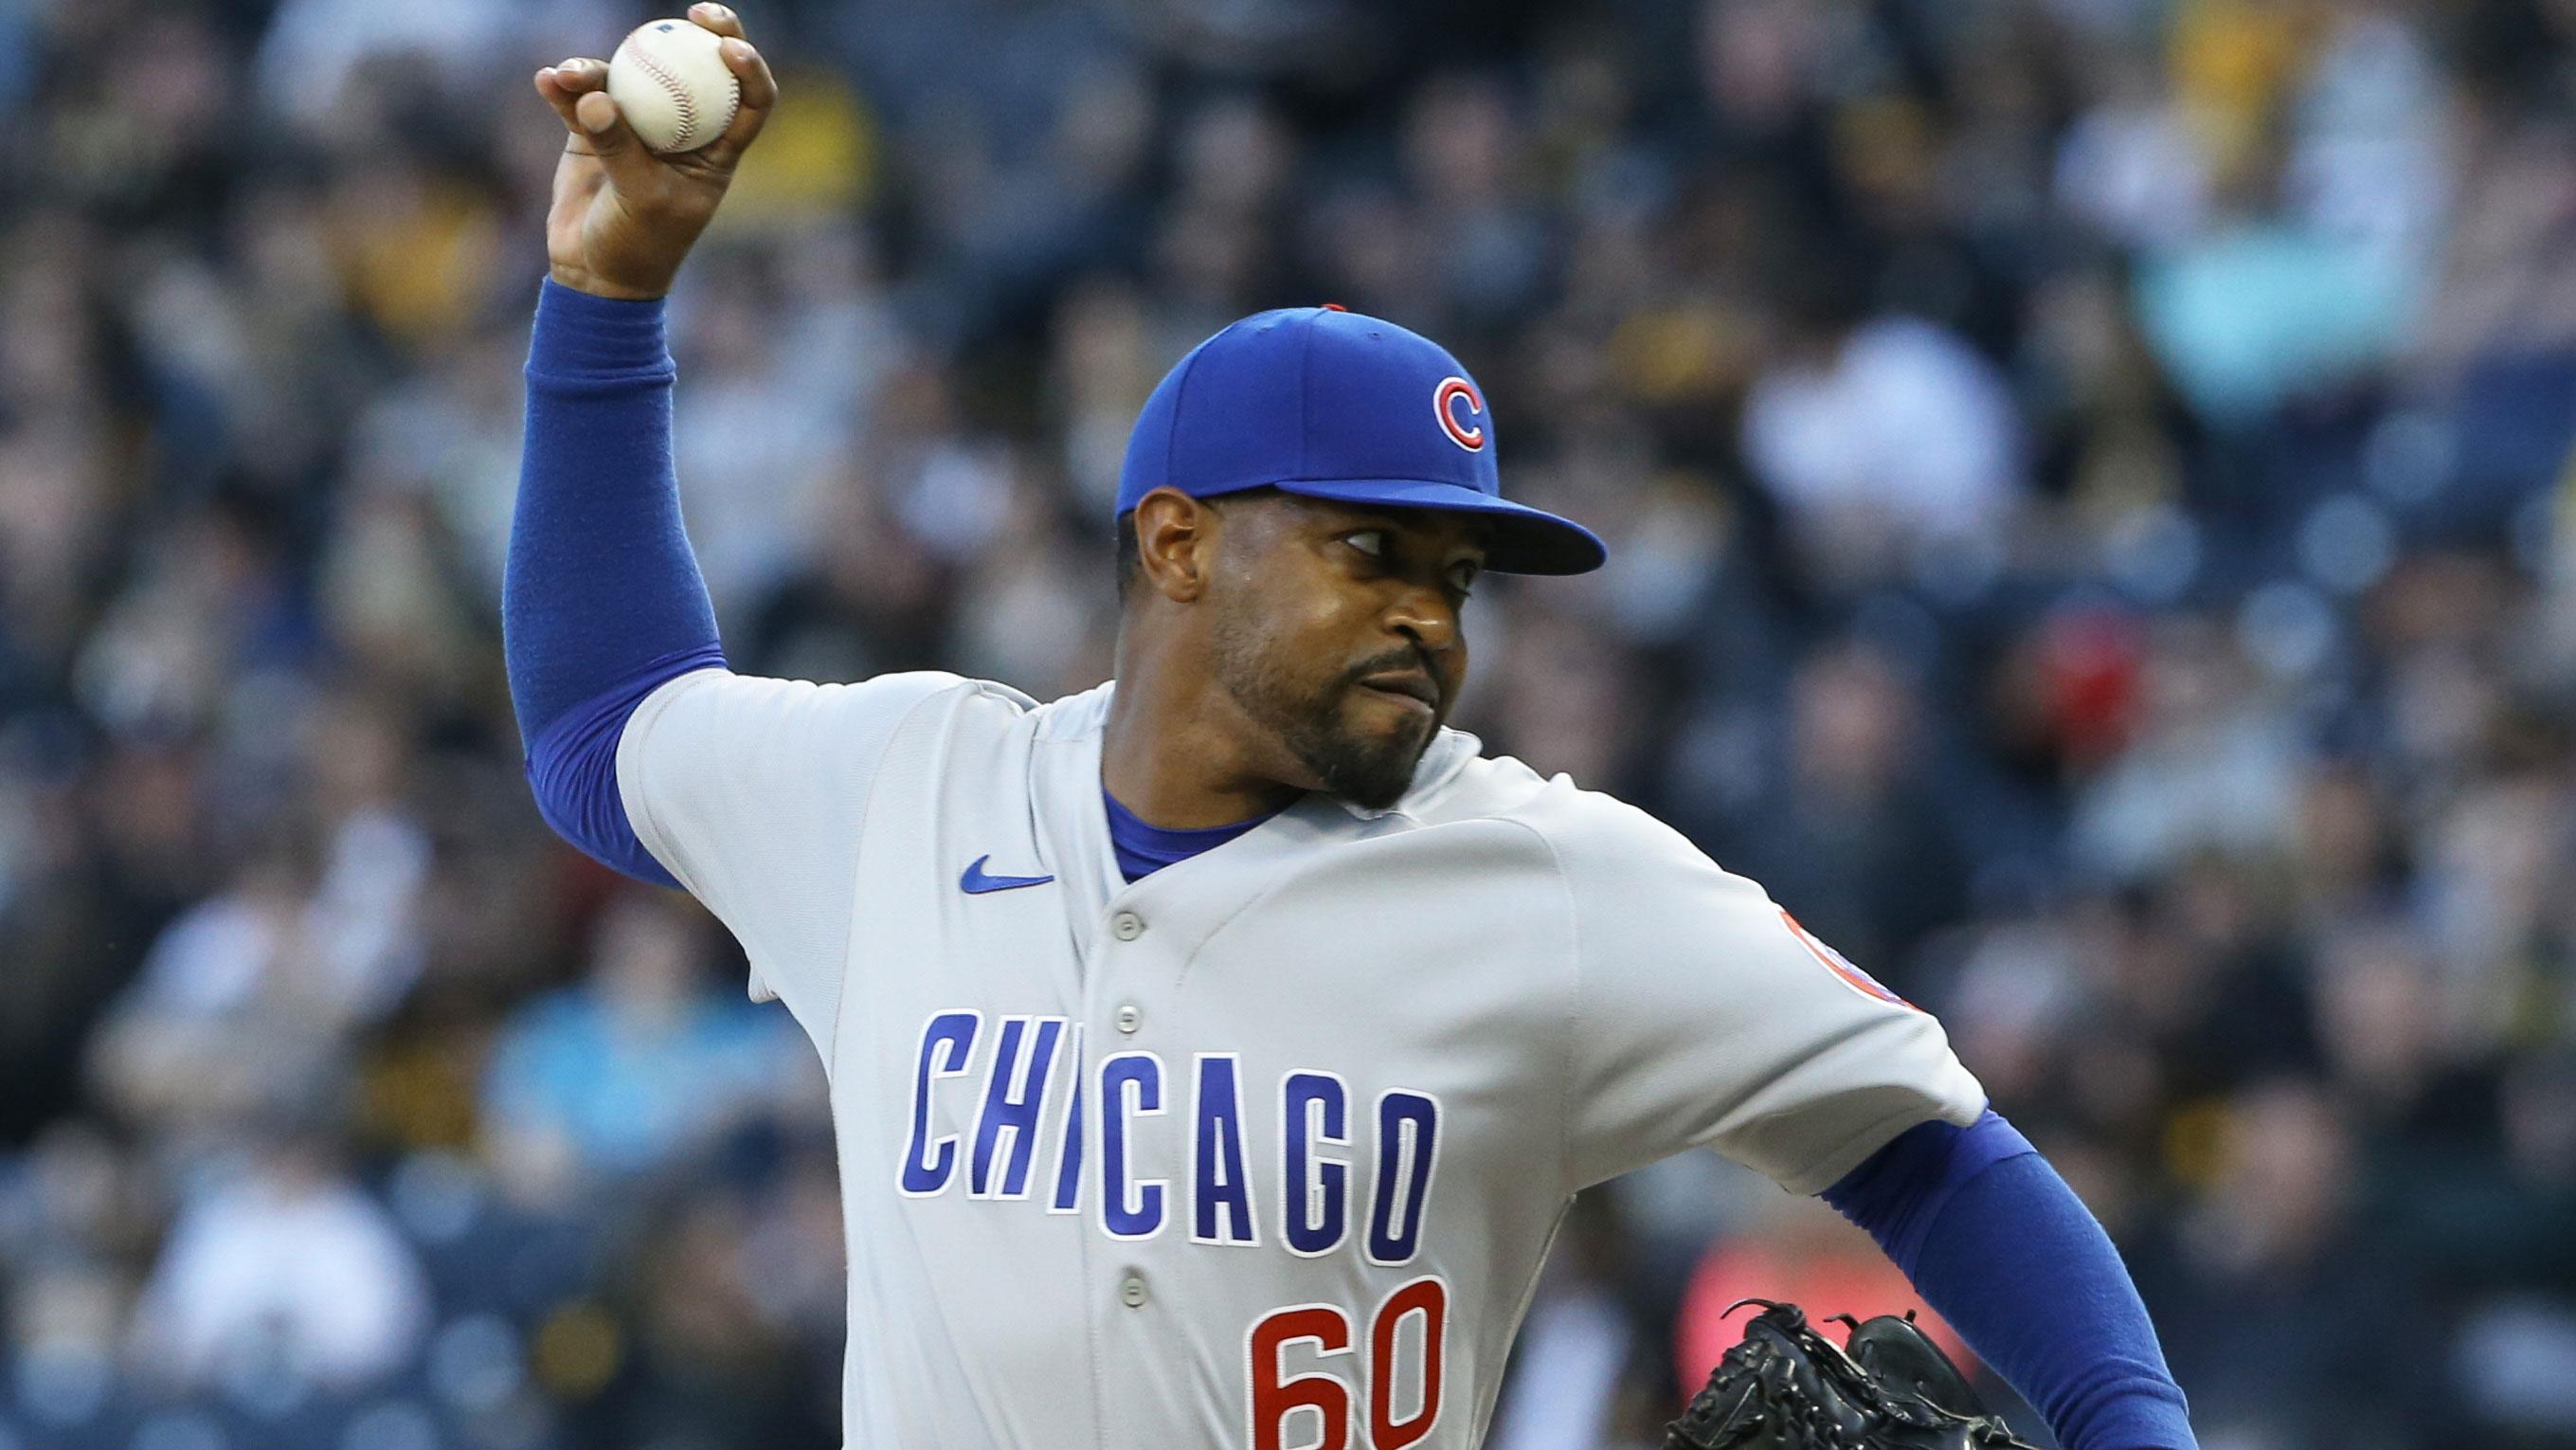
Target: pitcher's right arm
(601, 599)
(643, 749)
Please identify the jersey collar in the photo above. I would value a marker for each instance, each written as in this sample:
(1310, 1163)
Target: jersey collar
(1087, 714)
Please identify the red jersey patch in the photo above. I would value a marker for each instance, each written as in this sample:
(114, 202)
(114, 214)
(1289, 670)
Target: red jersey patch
(1841, 966)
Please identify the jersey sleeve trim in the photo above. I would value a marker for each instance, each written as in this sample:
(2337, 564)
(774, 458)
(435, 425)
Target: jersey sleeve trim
(572, 768)
(1832, 1167)
(636, 801)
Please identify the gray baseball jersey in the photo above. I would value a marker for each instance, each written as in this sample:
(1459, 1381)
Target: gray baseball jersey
(1264, 1150)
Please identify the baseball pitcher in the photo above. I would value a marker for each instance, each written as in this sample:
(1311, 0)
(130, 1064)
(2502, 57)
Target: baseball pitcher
(1213, 1053)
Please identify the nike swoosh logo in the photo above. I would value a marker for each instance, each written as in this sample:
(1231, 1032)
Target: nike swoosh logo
(976, 881)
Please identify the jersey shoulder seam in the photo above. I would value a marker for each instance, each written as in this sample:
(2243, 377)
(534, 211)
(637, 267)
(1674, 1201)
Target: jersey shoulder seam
(1573, 999)
(867, 810)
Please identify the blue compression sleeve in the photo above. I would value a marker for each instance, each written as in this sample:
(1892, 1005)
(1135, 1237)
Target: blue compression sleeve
(601, 599)
(1996, 1241)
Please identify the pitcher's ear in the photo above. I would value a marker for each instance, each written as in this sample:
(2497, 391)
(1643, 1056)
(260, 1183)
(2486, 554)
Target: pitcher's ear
(1175, 544)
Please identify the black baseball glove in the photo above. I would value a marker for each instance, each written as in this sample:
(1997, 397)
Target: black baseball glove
(1787, 1387)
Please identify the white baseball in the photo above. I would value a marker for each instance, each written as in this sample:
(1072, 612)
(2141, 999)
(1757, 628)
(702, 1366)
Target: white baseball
(672, 85)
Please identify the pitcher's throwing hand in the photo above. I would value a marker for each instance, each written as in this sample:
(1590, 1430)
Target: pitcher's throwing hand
(624, 218)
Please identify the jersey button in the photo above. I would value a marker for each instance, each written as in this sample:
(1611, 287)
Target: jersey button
(1130, 1017)
(1126, 926)
(1132, 1292)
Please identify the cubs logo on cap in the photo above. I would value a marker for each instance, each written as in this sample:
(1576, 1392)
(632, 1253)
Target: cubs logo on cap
(1447, 401)
(1327, 404)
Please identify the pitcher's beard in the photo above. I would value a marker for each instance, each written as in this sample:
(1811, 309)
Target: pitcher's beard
(1372, 774)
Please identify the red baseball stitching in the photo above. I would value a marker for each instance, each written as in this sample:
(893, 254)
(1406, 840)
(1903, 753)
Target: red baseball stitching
(680, 98)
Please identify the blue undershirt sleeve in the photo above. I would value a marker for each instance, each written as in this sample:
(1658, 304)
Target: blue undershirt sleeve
(601, 599)
(2004, 1250)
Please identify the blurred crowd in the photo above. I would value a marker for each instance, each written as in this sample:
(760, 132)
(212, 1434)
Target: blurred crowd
(2091, 530)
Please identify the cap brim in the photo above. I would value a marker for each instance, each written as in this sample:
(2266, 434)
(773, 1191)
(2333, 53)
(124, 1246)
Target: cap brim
(1526, 540)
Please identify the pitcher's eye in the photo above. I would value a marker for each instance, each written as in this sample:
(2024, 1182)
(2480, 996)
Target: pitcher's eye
(1371, 542)
(1462, 577)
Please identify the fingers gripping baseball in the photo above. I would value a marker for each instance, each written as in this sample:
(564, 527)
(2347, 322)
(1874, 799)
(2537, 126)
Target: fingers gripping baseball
(624, 218)
(759, 88)
(599, 131)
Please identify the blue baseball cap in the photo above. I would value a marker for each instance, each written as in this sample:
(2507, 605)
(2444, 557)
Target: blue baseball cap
(1337, 405)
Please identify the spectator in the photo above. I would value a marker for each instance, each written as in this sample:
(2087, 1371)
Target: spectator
(286, 1270)
(640, 1063)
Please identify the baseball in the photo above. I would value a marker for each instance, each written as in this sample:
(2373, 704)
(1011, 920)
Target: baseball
(672, 85)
